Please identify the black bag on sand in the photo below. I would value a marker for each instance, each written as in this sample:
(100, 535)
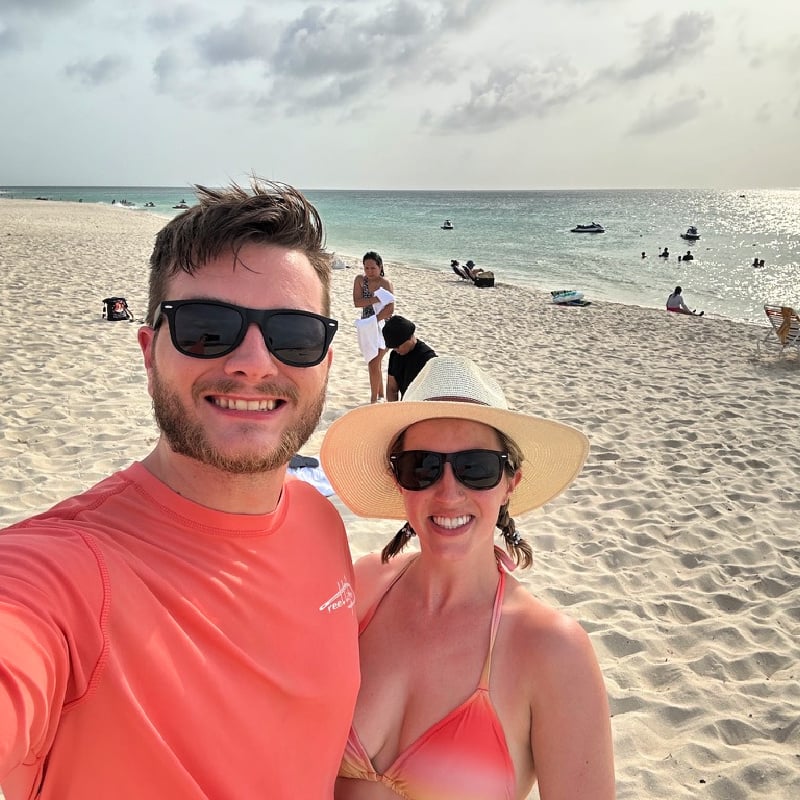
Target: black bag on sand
(116, 308)
(485, 279)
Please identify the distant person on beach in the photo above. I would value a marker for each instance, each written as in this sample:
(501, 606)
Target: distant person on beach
(471, 270)
(664, 253)
(186, 628)
(471, 688)
(676, 304)
(644, 255)
(409, 355)
(367, 295)
(688, 256)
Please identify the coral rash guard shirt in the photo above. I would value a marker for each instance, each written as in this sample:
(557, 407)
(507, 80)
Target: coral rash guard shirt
(154, 648)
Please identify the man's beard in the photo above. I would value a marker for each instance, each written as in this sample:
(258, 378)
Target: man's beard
(188, 438)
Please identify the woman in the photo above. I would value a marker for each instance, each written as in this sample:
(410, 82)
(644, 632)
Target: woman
(676, 304)
(364, 297)
(471, 688)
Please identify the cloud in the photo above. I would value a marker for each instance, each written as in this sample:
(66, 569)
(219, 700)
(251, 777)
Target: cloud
(244, 39)
(94, 73)
(174, 19)
(167, 70)
(321, 42)
(43, 6)
(668, 116)
(507, 95)
(10, 39)
(661, 50)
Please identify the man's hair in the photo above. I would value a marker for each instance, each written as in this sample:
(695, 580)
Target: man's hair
(225, 220)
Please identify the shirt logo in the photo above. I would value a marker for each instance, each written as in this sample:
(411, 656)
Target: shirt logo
(345, 597)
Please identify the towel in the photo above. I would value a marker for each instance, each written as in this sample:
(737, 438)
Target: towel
(785, 326)
(370, 331)
(370, 337)
(315, 476)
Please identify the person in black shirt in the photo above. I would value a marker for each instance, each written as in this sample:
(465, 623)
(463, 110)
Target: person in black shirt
(407, 358)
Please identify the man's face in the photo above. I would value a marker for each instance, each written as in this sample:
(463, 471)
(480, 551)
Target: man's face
(245, 412)
(407, 346)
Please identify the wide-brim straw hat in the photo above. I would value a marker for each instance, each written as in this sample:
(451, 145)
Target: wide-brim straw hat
(355, 451)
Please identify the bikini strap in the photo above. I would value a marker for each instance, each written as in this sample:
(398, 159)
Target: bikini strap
(497, 612)
(367, 618)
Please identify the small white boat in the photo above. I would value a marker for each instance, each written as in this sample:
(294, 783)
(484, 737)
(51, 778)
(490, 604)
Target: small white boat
(595, 227)
(566, 296)
(447, 225)
(691, 234)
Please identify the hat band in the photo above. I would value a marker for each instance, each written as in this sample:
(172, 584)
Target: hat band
(454, 399)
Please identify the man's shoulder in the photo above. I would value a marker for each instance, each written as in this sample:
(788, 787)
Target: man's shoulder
(70, 508)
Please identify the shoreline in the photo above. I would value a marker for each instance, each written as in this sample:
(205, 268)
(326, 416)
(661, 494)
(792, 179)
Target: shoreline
(640, 291)
(675, 548)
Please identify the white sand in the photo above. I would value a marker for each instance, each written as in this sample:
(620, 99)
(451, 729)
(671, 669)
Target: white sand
(678, 546)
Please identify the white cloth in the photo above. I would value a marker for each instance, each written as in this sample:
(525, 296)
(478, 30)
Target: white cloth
(385, 297)
(315, 476)
(370, 337)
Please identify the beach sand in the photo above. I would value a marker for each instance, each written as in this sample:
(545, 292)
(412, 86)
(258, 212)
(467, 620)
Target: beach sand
(677, 547)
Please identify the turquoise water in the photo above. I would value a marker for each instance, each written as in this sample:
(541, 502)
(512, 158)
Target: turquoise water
(524, 237)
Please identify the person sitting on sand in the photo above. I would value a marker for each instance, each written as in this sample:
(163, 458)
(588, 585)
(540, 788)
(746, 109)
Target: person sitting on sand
(472, 270)
(675, 303)
(471, 687)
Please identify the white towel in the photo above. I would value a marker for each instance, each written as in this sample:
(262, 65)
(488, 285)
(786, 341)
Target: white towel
(385, 297)
(370, 337)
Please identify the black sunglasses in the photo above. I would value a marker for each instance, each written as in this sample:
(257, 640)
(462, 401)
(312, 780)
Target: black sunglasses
(211, 329)
(416, 470)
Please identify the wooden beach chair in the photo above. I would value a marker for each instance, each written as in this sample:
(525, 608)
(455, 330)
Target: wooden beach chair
(784, 328)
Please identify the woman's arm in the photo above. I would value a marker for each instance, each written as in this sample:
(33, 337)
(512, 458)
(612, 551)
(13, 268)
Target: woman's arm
(388, 309)
(571, 730)
(359, 301)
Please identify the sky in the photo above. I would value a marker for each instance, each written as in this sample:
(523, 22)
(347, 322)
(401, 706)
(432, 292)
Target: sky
(402, 94)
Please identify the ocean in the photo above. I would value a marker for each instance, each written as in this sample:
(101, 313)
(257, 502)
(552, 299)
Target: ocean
(525, 238)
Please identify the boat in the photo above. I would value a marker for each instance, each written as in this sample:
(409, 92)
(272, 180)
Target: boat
(566, 296)
(595, 227)
(691, 234)
(447, 225)
(182, 204)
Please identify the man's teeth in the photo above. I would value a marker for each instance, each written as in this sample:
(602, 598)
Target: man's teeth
(246, 405)
(451, 522)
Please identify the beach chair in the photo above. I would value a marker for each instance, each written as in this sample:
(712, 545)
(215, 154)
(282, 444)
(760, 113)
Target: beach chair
(459, 271)
(784, 328)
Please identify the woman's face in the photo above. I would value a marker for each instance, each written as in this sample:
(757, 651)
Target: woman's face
(372, 268)
(448, 516)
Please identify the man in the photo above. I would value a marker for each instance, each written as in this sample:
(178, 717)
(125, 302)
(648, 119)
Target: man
(185, 629)
(409, 355)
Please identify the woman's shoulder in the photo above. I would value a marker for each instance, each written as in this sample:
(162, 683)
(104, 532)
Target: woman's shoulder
(370, 569)
(373, 577)
(543, 636)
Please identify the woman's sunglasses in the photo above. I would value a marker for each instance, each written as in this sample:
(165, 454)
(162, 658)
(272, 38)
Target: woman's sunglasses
(416, 470)
(211, 329)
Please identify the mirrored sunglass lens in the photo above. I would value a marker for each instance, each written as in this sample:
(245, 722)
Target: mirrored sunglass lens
(417, 469)
(296, 339)
(479, 470)
(205, 330)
